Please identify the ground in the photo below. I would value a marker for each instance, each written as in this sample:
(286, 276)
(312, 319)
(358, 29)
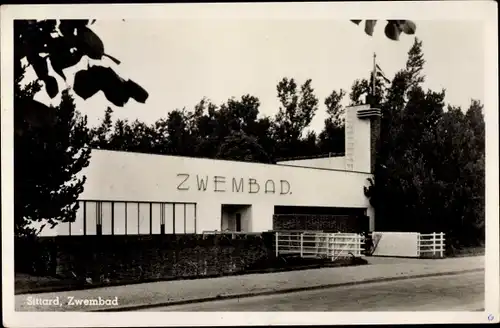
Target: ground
(463, 292)
(174, 293)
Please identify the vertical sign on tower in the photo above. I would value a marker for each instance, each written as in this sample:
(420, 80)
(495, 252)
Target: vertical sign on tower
(349, 138)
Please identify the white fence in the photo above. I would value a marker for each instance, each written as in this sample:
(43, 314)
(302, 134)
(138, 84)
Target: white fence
(319, 244)
(432, 244)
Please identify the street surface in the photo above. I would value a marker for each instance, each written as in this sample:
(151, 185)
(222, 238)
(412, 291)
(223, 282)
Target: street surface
(462, 292)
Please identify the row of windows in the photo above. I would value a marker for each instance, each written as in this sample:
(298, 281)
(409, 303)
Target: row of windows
(131, 218)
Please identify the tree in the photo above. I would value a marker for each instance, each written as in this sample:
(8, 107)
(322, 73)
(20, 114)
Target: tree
(461, 137)
(332, 139)
(396, 146)
(141, 136)
(430, 166)
(262, 131)
(180, 140)
(393, 28)
(211, 125)
(308, 146)
(241, 147)
(46, 160)
(295, 114)
(242, 115)
(100, 136)
(63, 44)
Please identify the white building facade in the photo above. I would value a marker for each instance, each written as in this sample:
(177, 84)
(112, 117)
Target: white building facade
(134, 193)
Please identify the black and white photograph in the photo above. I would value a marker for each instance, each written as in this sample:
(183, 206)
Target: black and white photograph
(250, 164)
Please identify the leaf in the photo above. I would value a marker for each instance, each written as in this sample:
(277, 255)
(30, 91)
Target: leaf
(409, 27)
(51, 86)
(61, 56)
(90, 44)
(62, 61)
(84, 85)
(392, 31)
(369, 26)
(39, 65)
(113, 86)
(136, 91)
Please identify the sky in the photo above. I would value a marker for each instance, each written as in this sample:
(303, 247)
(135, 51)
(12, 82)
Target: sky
(180, 61)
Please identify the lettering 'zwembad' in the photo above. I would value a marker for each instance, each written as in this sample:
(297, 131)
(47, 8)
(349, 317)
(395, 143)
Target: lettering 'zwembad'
(220, 183)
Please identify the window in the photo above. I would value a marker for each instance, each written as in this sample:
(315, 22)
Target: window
(91, 218)
(131, 218)
(179, 217)
(144, 219)
(106, 218)
(156, 219)
(190, 218)
(119, 219)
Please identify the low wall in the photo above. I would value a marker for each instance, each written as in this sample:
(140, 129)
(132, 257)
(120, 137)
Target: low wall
(326, 223)
(141, 258)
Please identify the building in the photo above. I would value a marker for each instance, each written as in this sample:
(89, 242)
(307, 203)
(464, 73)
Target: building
(134, 193)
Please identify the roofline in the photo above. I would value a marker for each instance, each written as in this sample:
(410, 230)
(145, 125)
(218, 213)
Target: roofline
(226, 160)
(299, 158)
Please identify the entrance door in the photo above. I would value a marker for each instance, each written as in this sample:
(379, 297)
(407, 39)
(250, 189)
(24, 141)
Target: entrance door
(235, 217)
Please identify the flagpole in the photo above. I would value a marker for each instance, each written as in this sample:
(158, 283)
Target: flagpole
(374, 73)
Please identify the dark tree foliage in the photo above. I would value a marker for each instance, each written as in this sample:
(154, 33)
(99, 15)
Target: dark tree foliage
(331, 139)
(296, 112)
(46, 160)
(241, 147)
(430, 165)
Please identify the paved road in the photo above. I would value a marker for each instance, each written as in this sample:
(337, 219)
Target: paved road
(463, 292)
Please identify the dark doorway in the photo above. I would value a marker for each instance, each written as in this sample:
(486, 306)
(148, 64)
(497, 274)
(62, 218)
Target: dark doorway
(238, 222)
(236, 217)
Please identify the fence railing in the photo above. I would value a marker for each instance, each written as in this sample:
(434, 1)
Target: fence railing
(431, 244)
(319, 244)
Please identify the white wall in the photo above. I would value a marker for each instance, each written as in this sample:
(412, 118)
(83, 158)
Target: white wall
(123, 176)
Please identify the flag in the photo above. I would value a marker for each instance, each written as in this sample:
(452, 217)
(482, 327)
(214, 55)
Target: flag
(381, 74)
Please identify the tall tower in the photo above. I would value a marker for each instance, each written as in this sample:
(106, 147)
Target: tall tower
(362, 130)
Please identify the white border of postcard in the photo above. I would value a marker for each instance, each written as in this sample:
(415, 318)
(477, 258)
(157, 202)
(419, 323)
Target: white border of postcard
(485, 11)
